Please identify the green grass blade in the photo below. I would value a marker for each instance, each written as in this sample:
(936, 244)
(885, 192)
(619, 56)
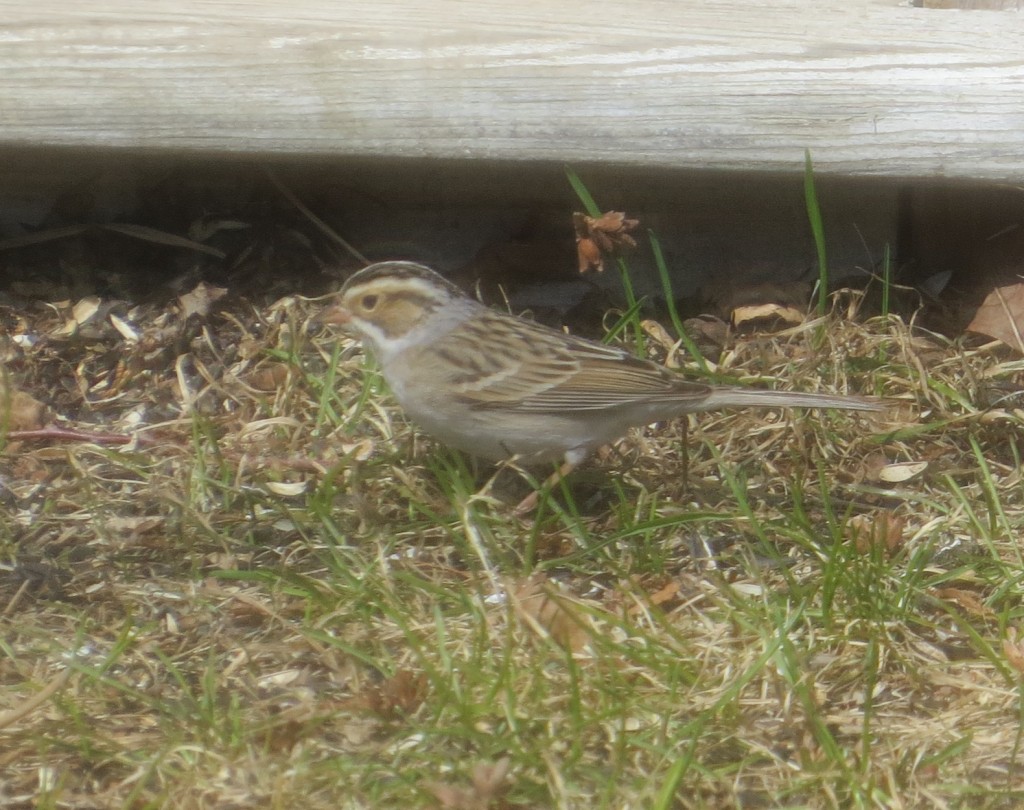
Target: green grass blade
(581, 191)
(670, 302)
(818, 229)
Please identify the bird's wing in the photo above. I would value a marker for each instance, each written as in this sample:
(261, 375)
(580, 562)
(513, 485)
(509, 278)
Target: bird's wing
(499, 362)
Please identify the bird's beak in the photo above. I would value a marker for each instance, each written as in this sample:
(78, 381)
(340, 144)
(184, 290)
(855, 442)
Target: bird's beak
(335, 315)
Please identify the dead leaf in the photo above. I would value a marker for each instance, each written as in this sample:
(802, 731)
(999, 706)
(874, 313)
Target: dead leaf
(758, 305)
(880, 529)
(665, 596)
(284, 736)
(999, 394)
(199, 300)
(1001, 316)
(20, 411)
(549, 613)
(667, 593)
(766, 317)
(489, 785)
(968, 600)
(710, 333)
(597, 237)
(393, 698)
(1014, 650)
(269, 377)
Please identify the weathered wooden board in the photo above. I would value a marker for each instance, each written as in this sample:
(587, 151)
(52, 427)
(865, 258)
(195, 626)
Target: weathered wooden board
(871, 87)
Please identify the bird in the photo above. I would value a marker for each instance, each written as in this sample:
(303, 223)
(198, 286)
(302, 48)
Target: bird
(498, 386)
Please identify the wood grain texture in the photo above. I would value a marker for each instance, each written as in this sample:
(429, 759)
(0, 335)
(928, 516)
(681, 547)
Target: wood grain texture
(871, 87)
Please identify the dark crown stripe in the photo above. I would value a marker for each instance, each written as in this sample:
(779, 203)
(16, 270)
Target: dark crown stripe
(401, 271)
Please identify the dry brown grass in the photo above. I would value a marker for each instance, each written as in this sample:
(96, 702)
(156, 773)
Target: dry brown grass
(279, 595)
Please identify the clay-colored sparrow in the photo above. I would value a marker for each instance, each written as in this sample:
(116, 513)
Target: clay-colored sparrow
(498, 386)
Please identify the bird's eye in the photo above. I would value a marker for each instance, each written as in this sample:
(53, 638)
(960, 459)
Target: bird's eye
(369, 301)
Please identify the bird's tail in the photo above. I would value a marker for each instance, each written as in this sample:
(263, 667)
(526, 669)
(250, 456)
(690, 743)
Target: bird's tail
(736, 397)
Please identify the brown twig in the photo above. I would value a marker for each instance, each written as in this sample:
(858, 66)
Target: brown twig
(72, 435)
(322, 226)
(38, 699)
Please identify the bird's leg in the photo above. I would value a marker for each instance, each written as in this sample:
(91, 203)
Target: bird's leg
(485, 490)
(529, 503)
